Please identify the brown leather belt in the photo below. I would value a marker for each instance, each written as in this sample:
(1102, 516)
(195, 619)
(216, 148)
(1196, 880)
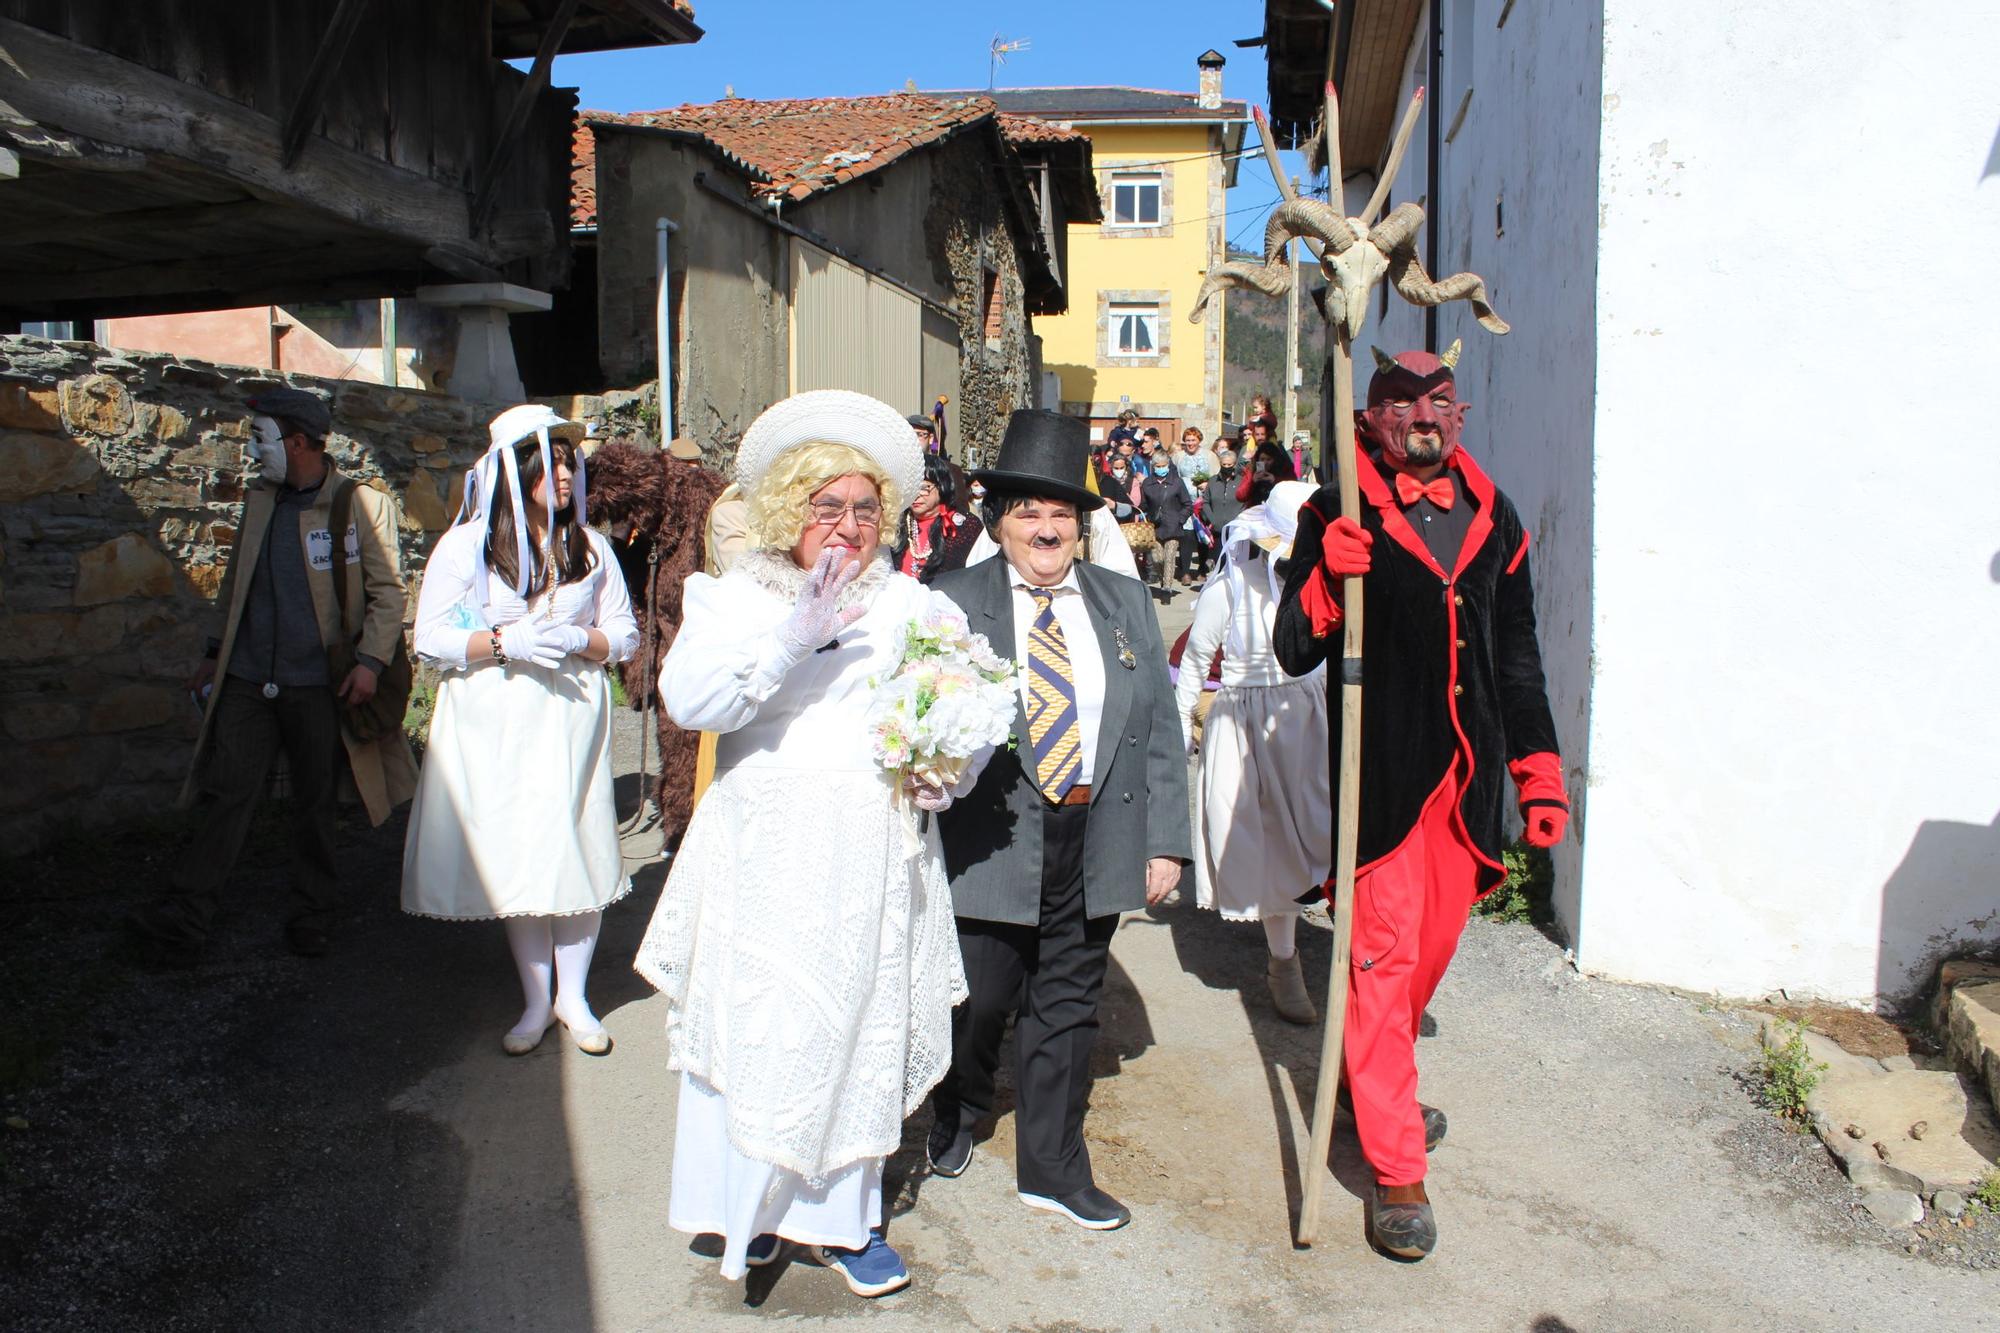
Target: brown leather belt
(1077, 795)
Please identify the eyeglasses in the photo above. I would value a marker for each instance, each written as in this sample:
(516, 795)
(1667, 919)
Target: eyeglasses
(826, 513)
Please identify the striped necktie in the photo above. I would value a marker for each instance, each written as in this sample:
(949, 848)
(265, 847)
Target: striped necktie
(1054, 738)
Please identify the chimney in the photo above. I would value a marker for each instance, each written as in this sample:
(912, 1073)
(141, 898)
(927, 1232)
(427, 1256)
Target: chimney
(1210, 63)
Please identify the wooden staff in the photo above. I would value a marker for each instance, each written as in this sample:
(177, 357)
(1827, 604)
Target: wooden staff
(1348, 802)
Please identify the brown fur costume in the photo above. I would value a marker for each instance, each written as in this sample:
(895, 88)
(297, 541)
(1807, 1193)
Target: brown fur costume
(664, 504)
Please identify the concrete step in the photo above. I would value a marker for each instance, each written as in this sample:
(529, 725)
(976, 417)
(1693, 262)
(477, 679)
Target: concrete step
(1966, 1017)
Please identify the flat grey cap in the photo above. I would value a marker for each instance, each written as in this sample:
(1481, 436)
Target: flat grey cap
(308, 410)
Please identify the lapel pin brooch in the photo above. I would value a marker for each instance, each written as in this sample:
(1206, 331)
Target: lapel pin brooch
(1125, 658)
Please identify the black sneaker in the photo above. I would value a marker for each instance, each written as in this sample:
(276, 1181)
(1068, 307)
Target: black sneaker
(1404, 1230)
(1088, 1207)
(949, 1150)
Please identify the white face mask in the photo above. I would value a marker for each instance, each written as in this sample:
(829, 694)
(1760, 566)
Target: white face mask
(267, 449)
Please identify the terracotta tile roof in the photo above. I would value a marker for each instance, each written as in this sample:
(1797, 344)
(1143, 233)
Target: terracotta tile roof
(1033, 129)
(583, 176)
(799, 147)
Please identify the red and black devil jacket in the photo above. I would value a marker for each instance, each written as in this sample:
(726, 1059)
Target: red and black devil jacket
(1450, 663)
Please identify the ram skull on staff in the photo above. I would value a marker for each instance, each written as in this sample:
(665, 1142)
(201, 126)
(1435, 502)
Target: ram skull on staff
(1354, 260)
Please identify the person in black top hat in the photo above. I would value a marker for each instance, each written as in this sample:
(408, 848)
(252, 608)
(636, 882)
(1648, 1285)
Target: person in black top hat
(1085, 818)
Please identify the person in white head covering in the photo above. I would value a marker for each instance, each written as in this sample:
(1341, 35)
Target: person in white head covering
(809, 960)
(1263, 829)
(522, 607)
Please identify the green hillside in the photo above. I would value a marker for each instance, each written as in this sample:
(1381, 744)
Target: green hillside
(1254, 340)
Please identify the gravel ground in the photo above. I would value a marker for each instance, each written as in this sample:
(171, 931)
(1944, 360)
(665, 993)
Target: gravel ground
(264, 1142)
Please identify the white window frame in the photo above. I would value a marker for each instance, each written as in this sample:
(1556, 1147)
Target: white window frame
(1137, 181)
(1148, 320)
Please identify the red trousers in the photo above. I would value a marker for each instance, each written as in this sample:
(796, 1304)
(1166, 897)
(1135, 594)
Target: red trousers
(1409, 910)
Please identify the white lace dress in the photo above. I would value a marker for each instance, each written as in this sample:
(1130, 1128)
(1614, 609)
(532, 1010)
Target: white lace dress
(513, 814)
(810, 964)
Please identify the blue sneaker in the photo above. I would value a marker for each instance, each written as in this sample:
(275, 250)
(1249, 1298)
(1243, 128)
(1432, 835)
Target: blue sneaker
(873, 1270)
(763, 1250)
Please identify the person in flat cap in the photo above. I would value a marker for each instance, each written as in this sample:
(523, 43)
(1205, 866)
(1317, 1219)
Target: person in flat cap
(1086, 818)
(268, 682)
(926, 431)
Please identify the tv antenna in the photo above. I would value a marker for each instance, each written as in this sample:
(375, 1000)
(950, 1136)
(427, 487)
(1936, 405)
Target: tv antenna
(997, 55)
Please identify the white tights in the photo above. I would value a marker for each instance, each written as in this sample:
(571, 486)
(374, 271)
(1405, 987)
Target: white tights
(1281, 933)
(552, 954)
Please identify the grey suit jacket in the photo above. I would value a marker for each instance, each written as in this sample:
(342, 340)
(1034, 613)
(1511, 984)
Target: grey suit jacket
(992, 836)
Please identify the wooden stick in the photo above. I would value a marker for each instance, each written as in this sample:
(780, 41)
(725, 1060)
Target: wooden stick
(1314, 1168)
(1330, 127)
(1395, 163)
(1285, 186)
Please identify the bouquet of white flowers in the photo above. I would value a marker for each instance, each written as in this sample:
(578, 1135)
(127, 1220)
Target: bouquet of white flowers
(949, 697)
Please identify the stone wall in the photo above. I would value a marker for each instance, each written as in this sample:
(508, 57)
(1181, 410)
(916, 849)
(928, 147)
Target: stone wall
(121, 485)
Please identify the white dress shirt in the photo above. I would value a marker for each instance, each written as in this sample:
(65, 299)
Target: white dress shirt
(1086, 660)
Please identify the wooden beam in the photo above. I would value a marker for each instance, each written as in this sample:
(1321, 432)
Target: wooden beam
(208, 283)
(59, 83)
(517, 115)
(162, 226)
(41, 144)
(319, 77)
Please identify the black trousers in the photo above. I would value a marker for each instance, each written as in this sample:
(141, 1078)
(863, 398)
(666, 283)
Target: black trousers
(249, 730)
(1052, 974)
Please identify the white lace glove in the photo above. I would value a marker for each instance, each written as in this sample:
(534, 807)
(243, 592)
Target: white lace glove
(926, 797)
(525, 641)
(570, 639)
(818, 616)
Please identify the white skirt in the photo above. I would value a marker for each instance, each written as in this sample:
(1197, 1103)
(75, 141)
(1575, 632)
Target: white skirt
(514, 814)
(717, 1191)
(1264, 834)
(810, 964)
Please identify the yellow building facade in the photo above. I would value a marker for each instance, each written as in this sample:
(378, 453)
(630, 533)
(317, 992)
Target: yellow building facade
(1164, 163)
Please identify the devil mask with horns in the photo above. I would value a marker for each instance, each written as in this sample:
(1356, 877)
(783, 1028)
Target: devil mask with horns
(1413, 416)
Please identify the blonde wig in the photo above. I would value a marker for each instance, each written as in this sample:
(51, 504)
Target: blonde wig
(778, 508)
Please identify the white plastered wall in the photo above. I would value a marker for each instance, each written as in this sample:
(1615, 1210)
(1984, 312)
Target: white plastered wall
(1794, 749)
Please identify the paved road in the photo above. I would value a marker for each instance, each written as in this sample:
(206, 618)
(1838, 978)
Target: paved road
(267, 1143)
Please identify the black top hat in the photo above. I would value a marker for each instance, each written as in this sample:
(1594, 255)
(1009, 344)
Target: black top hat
(1044, 454)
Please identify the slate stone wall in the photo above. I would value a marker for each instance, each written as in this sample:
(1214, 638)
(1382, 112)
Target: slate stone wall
(122, 477)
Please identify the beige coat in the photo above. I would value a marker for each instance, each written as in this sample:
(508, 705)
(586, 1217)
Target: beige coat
(384, 772)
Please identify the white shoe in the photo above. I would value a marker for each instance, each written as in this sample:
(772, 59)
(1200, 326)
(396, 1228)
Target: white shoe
(593, 1040)
(1287, 981)
(520, 1043)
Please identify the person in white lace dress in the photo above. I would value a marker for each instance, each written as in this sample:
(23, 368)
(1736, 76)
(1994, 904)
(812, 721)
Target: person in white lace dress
(522, 608)
(1263, 829)
(809, 960)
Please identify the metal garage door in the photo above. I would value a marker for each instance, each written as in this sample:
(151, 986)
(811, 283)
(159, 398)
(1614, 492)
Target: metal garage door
(853, 331)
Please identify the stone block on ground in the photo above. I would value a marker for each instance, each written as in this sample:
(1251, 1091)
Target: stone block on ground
(1966, 1017)
(1960, 1143)
(1893, 1208)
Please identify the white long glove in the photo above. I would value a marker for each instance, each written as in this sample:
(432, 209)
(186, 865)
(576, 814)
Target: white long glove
(526, 641)
(818, 616)
(570, 639)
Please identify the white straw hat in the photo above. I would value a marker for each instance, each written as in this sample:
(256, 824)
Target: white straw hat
(518, 423)
(1281, 514)
(832, 416)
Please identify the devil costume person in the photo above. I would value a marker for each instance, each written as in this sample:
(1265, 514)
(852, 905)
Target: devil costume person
(1456, 706)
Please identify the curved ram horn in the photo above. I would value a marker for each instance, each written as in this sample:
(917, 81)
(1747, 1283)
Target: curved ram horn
(1451, 353)
(1271, 279)
(1398, 231)
(1313, 218)
(1418, 288)
(1383, 361)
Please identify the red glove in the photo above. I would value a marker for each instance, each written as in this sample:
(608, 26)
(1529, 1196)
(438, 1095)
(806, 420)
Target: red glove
(1546, 825)
(1345, 548)
(1544, 803)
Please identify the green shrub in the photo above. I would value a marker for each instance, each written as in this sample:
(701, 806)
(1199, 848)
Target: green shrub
(1524, 894)
(1790, 1074)
(1986, 1194)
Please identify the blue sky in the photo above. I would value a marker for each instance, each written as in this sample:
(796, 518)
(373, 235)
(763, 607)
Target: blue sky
(788, 48)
